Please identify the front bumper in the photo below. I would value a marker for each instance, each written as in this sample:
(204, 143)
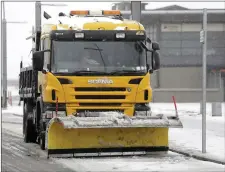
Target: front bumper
(71, 109)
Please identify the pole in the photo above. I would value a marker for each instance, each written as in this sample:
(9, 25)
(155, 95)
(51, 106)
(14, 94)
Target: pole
(204, 68)
(37, 16)
(136, 10)
(4, 63)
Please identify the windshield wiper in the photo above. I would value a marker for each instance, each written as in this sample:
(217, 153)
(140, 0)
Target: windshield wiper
(87, 72)
(125, 72)
(81, 72)
(100, 52)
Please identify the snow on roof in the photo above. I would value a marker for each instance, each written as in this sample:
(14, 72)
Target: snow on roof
(78, 21)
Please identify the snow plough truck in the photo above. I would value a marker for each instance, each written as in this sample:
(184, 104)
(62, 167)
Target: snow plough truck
(88, 89)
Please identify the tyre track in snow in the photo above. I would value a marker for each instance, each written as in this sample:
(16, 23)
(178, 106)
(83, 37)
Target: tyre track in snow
(14, 114)
(18, 156)
(12, 118)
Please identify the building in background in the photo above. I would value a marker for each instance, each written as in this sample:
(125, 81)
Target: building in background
(181, 53)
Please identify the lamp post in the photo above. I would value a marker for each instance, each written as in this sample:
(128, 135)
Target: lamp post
(4, 54)
(204, 74)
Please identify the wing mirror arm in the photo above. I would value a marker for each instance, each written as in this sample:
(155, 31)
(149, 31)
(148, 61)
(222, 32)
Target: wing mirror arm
(146, 48)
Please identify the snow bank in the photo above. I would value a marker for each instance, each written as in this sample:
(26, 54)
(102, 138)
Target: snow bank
(189, 139)
(187, 109)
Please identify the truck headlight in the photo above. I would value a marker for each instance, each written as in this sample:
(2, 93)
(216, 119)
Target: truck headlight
(79, 35)
(120, 35)
(51, 114)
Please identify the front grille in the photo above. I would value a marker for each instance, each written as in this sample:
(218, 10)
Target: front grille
(100, 97)
(100, 89)
(99, 104)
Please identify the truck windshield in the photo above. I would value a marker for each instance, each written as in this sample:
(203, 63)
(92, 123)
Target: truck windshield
(105, 57)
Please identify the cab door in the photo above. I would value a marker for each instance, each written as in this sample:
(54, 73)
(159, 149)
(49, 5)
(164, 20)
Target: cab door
(45, 44)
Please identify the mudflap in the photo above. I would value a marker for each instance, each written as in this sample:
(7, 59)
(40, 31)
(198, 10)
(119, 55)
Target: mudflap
(72, 134)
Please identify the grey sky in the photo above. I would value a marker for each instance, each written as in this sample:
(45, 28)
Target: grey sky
(24, 11)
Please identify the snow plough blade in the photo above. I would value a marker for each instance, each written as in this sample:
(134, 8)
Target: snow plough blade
(109, 133)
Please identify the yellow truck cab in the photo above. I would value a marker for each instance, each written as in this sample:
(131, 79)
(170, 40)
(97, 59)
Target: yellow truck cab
(95, 63)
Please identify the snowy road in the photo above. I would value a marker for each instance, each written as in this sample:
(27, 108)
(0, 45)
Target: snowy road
(18, 156)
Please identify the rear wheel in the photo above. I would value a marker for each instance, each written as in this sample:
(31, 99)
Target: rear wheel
(24, 118)
(29, 133)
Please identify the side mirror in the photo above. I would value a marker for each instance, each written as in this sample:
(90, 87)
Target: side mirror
(38, 60)
(155, 46)
(155, 60)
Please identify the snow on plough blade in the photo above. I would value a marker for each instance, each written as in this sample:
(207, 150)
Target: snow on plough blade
(109, 133)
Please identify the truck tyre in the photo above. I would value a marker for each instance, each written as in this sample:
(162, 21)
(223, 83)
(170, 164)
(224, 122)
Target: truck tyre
(29, 132)
(42, 140)
(24, 119)
(25, 115)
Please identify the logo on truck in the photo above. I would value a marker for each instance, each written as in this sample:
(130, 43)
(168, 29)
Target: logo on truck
(100, 81)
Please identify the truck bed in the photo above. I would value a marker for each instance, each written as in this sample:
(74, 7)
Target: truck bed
(28, 83)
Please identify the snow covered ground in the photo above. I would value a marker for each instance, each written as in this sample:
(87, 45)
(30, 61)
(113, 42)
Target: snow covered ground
(190, 137)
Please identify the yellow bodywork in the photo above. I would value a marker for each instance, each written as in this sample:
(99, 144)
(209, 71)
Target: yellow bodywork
(60, 138)
(66, 93)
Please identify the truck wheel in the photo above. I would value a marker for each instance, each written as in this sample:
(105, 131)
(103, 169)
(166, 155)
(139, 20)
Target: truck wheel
(42, 141)
(24, 118)
(26, 109)
(30, 134)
